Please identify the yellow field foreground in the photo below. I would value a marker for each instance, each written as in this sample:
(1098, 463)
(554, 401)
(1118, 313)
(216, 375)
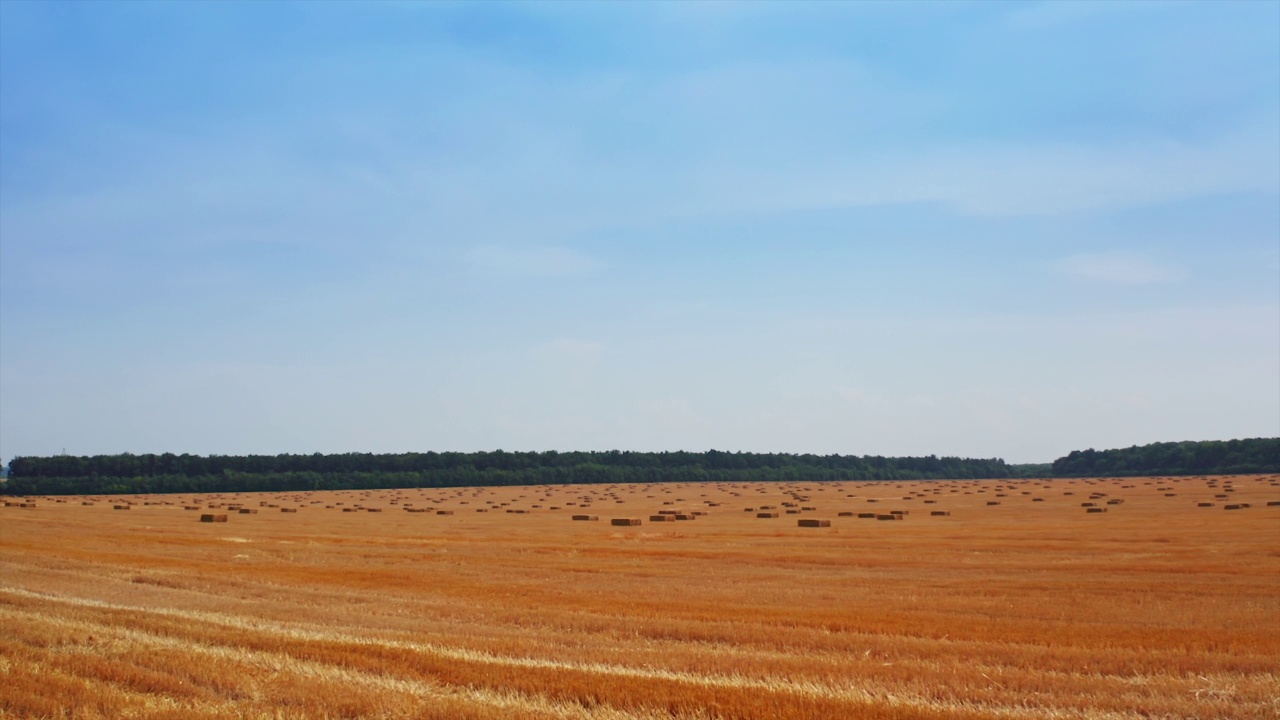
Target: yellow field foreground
(494, 603)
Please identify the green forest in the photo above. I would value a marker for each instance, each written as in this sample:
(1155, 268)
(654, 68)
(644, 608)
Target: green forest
(169, 473)
(1212, 457)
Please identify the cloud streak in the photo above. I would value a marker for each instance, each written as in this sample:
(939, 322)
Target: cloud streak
(531, 262)
(1119, 268)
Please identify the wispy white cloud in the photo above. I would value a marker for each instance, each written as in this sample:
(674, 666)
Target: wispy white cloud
(848, 393)
(531, 262)
(1055, 13)
(1120, 268)
(569, 352)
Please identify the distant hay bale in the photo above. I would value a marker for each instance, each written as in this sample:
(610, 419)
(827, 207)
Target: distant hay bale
(662, 518)
(993, 502)
(1095, 510)
(288, 510)
(889, 517)
(626, 522)
(1231, 507)
(813, 522)
(1115, 501)
(209, 518)
(1204, 504)
(86, 504)
(586, 518)
(940, 513)
(683, 516)
(444, 512)
(845, 514)
(767, 515)
(1088, 504)
(867, 516)
(1273, 503)
(899, 512)
(121, 507)
(191, 507)
(750, 509)
(248, 511)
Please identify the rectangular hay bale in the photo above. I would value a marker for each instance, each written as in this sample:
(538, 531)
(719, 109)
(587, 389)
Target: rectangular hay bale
(813, 522)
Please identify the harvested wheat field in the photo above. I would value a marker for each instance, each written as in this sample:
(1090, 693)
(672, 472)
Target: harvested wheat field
(1133, 598)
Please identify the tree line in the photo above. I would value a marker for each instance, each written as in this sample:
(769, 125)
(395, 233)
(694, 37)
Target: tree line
(170, 473)
(1211, 457)
(128, 473)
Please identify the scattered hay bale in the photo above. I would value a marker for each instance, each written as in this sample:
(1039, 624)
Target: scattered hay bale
(890, 516)
(1116, 501)
(845, 514)
(288, 510)
(1231, 507)
(626, 522)
(1095, 510)
(993, 502)
(586, 518)
(813, 522)
(1273, 503)
(867, 516)
(1088, 504)
(662, 518)
(86, 504)
(248, 511)
(191, 507)
(1204, 504)
(683, 516)
(120, 507)
(444, 512)
(766, 515)
(209, 518)
(940, 513)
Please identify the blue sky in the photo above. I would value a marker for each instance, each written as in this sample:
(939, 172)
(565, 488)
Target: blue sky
(979, 229)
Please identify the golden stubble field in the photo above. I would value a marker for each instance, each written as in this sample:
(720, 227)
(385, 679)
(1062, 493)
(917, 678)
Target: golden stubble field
(355, 607)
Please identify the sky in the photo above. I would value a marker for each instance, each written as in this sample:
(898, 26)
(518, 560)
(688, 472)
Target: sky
(988, 229)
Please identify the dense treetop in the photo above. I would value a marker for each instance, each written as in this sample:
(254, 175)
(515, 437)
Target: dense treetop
(127, 473)
(1218, 457)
